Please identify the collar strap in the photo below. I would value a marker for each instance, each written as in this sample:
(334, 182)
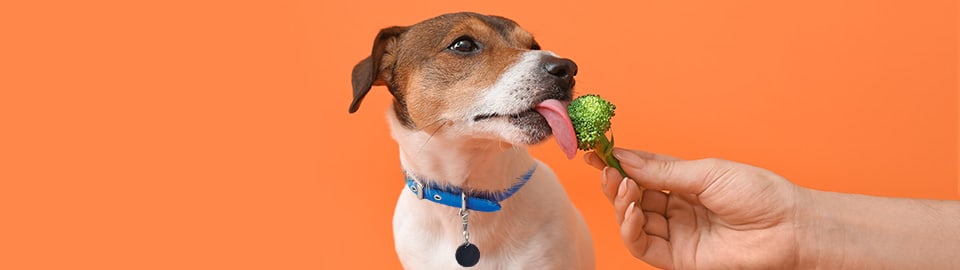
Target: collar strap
(479, 201)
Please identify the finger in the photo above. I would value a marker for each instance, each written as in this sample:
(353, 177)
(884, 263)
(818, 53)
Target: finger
(649, 248)
(648, 155)
(593, 160)
(610, 181)
(656, 224)
(628, 193)
(682, 221)
(654, 201)
(692, 176)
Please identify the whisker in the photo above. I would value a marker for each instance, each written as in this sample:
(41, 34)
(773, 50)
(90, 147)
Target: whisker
(426, 126)
(429, 138)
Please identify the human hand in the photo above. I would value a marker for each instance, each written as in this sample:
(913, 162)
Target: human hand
(717, 213)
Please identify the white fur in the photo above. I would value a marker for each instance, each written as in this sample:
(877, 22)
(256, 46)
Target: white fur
(501, 97)
(538, 228)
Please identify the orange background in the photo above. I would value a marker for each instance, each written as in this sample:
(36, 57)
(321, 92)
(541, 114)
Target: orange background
(215, 135)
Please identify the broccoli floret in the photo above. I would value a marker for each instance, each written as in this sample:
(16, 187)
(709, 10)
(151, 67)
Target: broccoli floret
(591, 116)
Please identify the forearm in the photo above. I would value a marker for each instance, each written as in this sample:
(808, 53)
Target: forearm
(848, 231)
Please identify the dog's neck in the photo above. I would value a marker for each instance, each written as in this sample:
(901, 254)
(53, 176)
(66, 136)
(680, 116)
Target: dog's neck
(471, 164)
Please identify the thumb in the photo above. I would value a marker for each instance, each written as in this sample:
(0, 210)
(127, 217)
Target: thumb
(686, 176)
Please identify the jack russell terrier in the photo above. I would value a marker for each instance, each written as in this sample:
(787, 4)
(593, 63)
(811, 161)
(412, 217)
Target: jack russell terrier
(471, 92)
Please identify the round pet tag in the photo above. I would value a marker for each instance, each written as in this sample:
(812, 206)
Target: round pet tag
(468, 255)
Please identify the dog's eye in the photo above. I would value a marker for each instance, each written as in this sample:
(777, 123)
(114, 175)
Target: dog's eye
(535, 46)
(464, 45)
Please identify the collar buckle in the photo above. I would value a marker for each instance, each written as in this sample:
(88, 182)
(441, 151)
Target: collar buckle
(418, 189)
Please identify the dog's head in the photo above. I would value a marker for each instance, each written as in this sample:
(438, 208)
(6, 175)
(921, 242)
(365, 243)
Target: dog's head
(466, 74)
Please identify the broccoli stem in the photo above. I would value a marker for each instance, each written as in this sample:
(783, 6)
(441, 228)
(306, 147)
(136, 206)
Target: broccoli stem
(605, 150)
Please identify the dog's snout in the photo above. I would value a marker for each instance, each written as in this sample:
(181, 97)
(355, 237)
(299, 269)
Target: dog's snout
(560, 67)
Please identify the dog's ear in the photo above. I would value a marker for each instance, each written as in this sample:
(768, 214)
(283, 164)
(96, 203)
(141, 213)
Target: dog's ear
(369, 72)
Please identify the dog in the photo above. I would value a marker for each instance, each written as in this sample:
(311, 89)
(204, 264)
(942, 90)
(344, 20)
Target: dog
(470, 93)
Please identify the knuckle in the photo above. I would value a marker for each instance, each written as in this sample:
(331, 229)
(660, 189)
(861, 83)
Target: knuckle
(713, 162)
(661, 174)
(664, 168)
(716, 171)
(637, 248)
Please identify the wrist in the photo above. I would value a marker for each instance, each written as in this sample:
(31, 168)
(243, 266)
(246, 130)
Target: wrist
(850, 231)
(820, 241)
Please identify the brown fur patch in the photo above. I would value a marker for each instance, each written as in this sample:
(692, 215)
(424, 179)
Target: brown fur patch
(429, 82)
(437, 82)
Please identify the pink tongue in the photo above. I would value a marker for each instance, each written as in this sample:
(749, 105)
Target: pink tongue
(556, 115)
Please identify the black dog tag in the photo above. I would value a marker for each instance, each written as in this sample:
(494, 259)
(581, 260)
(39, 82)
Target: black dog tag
(468, 255)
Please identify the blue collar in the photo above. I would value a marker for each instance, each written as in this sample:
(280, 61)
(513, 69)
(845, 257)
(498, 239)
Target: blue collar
(479, 201)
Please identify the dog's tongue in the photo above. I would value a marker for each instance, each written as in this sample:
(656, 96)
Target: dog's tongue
(556, 114)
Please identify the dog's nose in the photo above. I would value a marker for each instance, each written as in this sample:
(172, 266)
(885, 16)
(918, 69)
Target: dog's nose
(561, 67)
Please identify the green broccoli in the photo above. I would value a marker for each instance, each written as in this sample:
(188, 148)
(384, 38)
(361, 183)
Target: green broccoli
(591, 116)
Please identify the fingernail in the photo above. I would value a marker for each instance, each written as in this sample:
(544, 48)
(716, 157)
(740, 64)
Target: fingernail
(603, 179)
(612, 173)
(626, 156)
(623, 187)
(629, 211)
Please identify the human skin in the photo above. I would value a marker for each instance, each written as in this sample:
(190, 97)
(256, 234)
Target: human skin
(724, 214)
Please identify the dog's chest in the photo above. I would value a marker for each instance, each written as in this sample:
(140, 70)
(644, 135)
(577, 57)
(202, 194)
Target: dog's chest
(427, 235)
